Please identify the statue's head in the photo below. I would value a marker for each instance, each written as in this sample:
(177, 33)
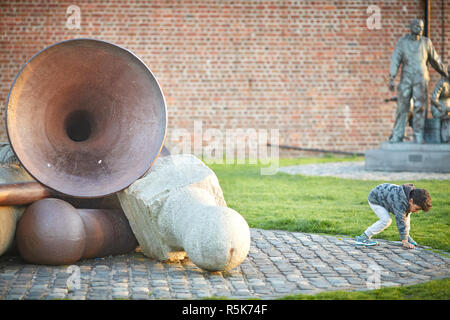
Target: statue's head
(416, 27)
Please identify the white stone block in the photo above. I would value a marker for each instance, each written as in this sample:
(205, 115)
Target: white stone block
(179, 205)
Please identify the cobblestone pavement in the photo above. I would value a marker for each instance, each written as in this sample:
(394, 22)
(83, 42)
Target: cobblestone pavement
(279, 263)
(356, 170)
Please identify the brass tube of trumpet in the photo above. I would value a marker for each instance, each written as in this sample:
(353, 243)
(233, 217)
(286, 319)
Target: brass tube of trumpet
(15, 194)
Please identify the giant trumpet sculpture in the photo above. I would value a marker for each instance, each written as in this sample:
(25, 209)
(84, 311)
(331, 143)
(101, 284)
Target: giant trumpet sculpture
(85, 118)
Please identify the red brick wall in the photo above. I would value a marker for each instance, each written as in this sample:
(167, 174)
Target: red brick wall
(313, 69)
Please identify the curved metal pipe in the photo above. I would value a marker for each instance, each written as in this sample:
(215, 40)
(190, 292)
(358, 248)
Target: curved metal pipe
(16, 194)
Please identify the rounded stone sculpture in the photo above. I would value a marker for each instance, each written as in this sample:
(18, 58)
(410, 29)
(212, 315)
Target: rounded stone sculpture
(8, 221)
(10, 172)
(179, 206)
(214, 237)
(52, 232)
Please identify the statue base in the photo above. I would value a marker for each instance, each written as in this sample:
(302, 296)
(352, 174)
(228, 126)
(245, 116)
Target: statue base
(409, 156)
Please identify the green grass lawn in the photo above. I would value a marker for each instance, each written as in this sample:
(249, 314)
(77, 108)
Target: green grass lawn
(431, 290)
(325, 205)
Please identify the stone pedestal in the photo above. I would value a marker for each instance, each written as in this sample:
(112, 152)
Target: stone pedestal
(408, 156)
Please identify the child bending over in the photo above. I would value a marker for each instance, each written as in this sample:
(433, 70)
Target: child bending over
(400, 201)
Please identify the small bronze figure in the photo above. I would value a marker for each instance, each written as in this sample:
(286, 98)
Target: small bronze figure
(440, 106)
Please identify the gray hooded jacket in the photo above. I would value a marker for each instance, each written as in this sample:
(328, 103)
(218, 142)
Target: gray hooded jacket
(394, 199)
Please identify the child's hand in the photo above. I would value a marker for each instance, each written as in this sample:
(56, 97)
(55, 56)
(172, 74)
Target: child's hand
(407, 245)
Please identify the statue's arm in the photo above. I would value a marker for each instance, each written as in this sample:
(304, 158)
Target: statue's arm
(396, 60)
(435, 60)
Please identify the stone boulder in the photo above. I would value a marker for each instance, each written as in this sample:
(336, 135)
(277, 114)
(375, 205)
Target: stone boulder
(179, 206)
(10, 172)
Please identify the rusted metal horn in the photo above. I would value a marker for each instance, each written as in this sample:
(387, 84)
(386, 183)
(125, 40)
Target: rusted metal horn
(86, 118)
(107, 233)
(51, 231)
(22, 193)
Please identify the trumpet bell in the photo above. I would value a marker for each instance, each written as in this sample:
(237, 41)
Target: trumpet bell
(86, 118)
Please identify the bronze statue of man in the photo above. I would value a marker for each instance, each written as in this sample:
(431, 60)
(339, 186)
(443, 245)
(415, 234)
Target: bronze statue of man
(413, 52)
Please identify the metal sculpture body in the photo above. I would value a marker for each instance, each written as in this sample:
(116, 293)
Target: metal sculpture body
(440, 107)
(413, 52)
(53, 232)
(86, 118)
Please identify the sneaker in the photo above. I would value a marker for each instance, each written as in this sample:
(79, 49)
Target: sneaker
(411, 240)
(363, 240)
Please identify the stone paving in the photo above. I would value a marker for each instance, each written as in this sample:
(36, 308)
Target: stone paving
(279, 263)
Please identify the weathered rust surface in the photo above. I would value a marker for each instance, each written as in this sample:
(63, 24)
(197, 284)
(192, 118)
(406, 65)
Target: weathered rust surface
(22, 193)
(86, 118)
(52, 232)
(107, 233)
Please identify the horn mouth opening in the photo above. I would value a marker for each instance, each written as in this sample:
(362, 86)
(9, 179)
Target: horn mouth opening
(79, 125)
